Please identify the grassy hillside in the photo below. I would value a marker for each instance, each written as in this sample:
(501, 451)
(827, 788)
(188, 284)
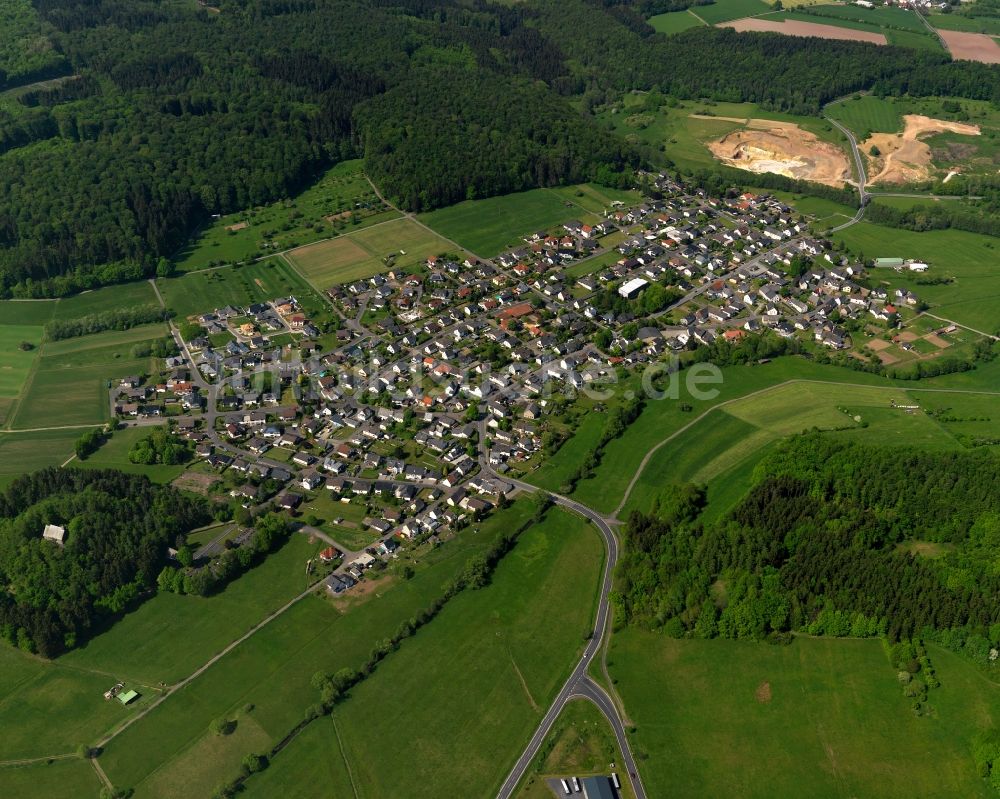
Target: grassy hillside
(816, 718)
(462, 697)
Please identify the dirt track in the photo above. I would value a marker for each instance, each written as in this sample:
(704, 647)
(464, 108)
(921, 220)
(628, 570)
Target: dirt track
(783, 148)
(903, 157)
(972, 46)
(796, 28)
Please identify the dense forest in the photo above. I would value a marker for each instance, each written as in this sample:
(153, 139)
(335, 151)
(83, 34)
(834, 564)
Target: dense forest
(117, 531)
(171, 112)
(826, 542)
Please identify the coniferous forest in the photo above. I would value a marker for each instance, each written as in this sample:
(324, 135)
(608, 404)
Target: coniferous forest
(827, 542)
(171, 112)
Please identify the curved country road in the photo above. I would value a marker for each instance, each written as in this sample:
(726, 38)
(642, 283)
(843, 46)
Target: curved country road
(579, 684)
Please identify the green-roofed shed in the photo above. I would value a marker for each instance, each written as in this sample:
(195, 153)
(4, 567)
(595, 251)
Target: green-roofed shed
(127, 696)
(893, 262)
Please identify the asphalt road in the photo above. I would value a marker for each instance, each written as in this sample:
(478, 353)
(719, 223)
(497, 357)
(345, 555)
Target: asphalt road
(579, 684)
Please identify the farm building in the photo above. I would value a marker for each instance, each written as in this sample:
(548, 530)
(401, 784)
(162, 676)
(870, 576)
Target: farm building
(893, 263)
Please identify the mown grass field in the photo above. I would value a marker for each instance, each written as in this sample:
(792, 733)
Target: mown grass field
(169, 636)
(322, 210)
(25, 452)
(736, 435)
(109, 298)
(33, 692)
(866, 114)
(272, 671)
(466, 692)
(960, 22)
(15, 363)
(113, 454)
(202, 292)
(674, 22)
(726, 10)
(836, 723)
(882, 16)
(487, 227)
(45, 780)
(973, 260)
(70, 383)
(661, 418)
(26, 312)
(363, 253)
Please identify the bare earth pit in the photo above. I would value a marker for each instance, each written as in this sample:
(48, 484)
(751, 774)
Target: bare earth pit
(785, 149)
(903, 157)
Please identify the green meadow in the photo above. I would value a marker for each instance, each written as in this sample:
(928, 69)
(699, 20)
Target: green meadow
(846, 17)
(674, 22)
(339, 200)
(961, 22)
(165, 754)
(738, 433)
(971, 259)
(113, 454)
(399, 243)
(44, 780)
(487, 227)
(466, 692)
(726, 10)
(819, 717)
(26, 452)
(202, 292)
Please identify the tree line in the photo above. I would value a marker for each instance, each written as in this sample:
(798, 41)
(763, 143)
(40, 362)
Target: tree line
(118, 319)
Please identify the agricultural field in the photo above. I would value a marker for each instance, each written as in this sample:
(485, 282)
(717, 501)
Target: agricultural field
(27, 452)
(662, 418)
(883, 16)
(866, 114)
(400, 243)
(26, 312)
(897, 30)
(341, 200)
(675, 22)
(69, 385)
(581, 743)
(15, 362)
(200, 292)
(264, 684)
(109, 298)
(961, 22)
(969, 258)
(169, 635)
(487, 227)
(34, 691)
(820, 717)
(498, 656)
(737, 433)
(44, 780)
(726, 10)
